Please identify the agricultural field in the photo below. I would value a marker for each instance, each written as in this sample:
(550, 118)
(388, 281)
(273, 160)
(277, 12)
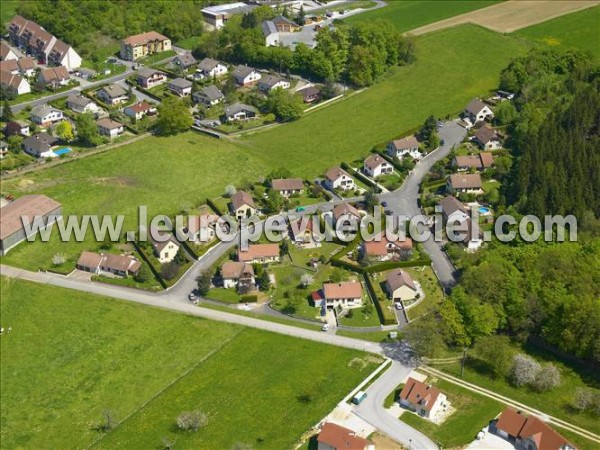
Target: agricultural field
(146, 366)
(579, 30)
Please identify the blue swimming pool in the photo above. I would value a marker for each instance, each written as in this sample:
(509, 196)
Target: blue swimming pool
(62, 151)
(484, 210)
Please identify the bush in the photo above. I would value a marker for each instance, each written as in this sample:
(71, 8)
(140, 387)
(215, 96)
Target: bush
(192, 420)
(169, 270)
(524, 370)
(547, 378)
(252, 298)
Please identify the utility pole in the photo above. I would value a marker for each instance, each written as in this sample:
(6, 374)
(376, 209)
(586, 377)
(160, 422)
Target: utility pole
(462, 367)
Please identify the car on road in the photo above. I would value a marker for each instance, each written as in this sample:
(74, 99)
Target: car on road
(359, 397)
(300, 209)
(325, 327)
(193, 297)
(388, 212)
(384, 204)
(442, 142)
(398, 305)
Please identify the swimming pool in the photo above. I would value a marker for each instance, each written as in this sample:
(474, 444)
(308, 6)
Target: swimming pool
(62, 151)
(484, 210)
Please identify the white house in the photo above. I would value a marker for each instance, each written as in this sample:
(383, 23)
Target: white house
(405, 146)
(64, 55)
(211, 68)
(17, 82)
(375, 166)
(181, 87)
(270, 33)
(424, 399)
(487, 138)
(259, 254)
(208, 96)
(112, 94)
(288, 186)
(236, 274)
(6, 53)
(347, 294)
(460, 223)
(464, 183)
(109, 128)
(270, 82)
(242, 205)
(165, 251)
(81, 104)
(45, 115)
(245, 76)
(240, 111)
(140, 110)
(338, 178)
(202, 229)
(149, 78)
(477, 111)
(400, 285)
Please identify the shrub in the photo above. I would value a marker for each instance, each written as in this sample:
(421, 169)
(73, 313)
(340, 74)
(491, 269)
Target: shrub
(191, 420)
(524, 370)
(547, 378)
(251, 298)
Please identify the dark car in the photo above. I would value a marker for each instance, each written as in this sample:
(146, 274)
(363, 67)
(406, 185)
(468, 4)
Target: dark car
(384, 204)
(388, 212)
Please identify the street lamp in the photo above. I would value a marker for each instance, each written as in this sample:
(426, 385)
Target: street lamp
(410, 444)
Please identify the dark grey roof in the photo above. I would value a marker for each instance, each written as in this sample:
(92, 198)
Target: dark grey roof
(211, 92)
(78, 100)
(39, 143)
(475, 106)
(239, 107)
(243, 71)
(147, 72)
(181, 83)
(268, 28)
(42, 110)
(185, 60)
(207, 64)
(114, 90)
(270, 81)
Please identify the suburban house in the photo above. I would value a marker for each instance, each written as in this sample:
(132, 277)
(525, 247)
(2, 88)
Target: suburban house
(202, 228)
(22, 66)
(285, 25)
(45, 115)
(405, 146)
(165, 250)
(47, 49)
(310, 94)
(25, 209)
(6, 53)
(464, 183)
(17, 82)
(347, 294)
(112, 94)
(424, 399)
(487, 138)
(338, 178)
(218, 15)
(140, 110)
(54, 76)
(270, 33)
(181, 87)
(400, 285)
(17, 127)
(182, 62)
(39, 144)
(453, 210)
(240, 111)
(456, 215)
(383, 249)
(209, 67)
(529, 432)
(108, 263)
(237, 274)
(477, 111)
(109, 128)
(245, 76)
(481, 161)
(271, 82)
(208, 96)
(149, 78)
(259, 254)
(336, 437)
(345, 211)
(305, 236)
(3, 149)
(375, 166)
(140, 45)
(242, 205)
(81, 104)
(288, 186)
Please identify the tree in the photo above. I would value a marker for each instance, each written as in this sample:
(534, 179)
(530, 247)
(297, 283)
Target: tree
(281, 172)
(7, 114)
(108, 420)
(287, 106)
(274, 201)
(204, 281)
(301, 15)
(174, 117)
(370, 199)
(506, 113)
(330, 90)
(230, 190)
(144, 274)
(8, 92)
(306, 280)
(87, 131)
(425, 336)
(284, 248)
(264, 281)
(496, 352)
(547, 378)
(337, 275)
(64, 130)
(14, 143)
(524, 370)
(192, 420)
(583, 399)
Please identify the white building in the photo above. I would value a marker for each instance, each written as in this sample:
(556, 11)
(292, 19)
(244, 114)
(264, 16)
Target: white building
(375, 166)
(338, 178)
(403, 147)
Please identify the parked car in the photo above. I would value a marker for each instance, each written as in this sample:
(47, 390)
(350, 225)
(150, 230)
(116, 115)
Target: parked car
(359, 397)
(384, 204)
(388, 212)
(399, 305)
(325, 327)
(193, 297)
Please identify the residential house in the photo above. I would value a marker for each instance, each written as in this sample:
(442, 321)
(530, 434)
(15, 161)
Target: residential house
(400, 286)
(310, 94)
(208, 96)
(64, 55)
(383, 249)
(424, 399)
(271, 82)
(22, 66)
(3, 149)
(140, 110)
(39, 145)
(336, 437)
(109, 128)
(182, 62)
(345, 211)
(338, 178)
(165, 249)
(460, 223)
(17, 127)
(240, 111)
(259, 254)
(181, 87)
(288, 186)
(140, 45)
(481, 161)
(6, 53)
(81, 104)
(477, 111)
(304, 234)
(242, 205)
(88, 74)
(108, 263)
(149, 78)
(45, 115)
(25, 211)
(245, 76)
(406, 146)
(203, 228)
(376, 165)
(112, 94)
(487, 138)
(464, 183)
(238, 274)
(217, 16)
(346, 294)
(453, 210)
(210, 68)
(16, 82)
(11, 66)
(270, 33)
(54, 77)
(529, 432)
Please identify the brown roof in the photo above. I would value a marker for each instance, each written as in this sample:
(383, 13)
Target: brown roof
(346, 289)
(241, 198)
(160, 245)
(235, 270)
(450, 205)
(345, 209)
(340, 438)
(335, 172)
(4, 50)
(375, 161)
(89, 259)
(26, 64)
(516, 424)
(465, 181)
(28, 206)
(406, 143)
(398, 278)
(379, 246)
(121, 263)
(487, 159)
(288, 184)
(417, 393)
(258, 251)
(481, 161)
(108, 124)
(51, 74)
(10, 65)
(144, 38)
(511, 421)
(140, 107)
(475, 106)
(196, 223)
(8, 79)
(485, 134)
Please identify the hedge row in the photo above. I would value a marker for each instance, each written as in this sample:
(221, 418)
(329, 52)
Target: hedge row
(432, 183)
(217, 211)
(361, 177)
(249, 298)
(386, 317)
(155, 272)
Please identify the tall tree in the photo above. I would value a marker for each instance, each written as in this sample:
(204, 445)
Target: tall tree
(174, 116)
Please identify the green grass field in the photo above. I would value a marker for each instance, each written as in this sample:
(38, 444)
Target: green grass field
(580, 30)
(71, 356)
(8, 10)
(408, 15)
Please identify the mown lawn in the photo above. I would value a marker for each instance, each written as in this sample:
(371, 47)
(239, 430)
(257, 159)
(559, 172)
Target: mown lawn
(408, 15)
(70, 356)
(580, 30)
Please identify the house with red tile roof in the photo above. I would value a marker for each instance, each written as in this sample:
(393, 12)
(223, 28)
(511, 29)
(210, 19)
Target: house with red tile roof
(336, 437)
(259, 253)
(424, 399)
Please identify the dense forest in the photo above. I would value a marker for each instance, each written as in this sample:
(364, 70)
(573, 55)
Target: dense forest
(87, 24)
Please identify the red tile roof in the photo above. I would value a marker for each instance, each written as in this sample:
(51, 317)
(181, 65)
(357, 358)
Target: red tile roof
(340, 438)
(517, 424)
(346, 289)
(417, 393)
(259, 251)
